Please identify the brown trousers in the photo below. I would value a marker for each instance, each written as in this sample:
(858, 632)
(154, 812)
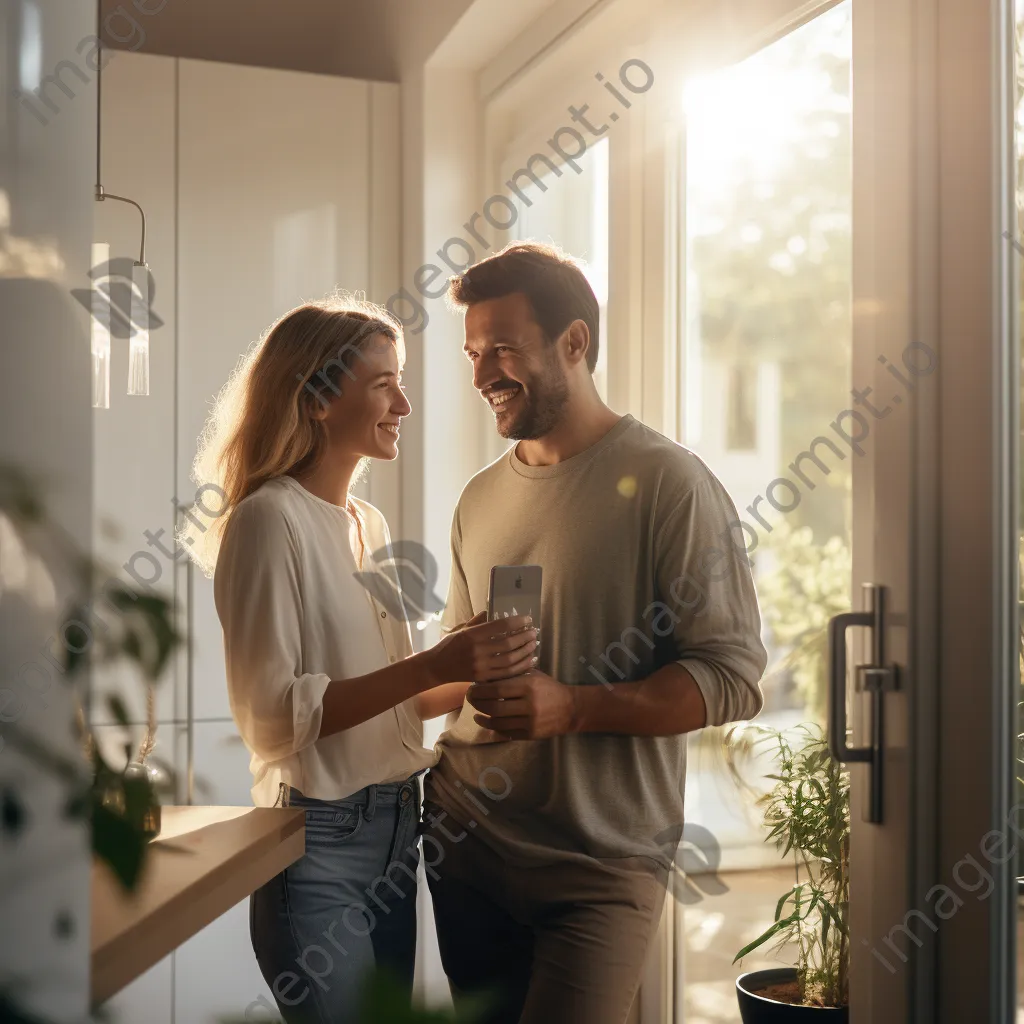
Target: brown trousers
(564, 942)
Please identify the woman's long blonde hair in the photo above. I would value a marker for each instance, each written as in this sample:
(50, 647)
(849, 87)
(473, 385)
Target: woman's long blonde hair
(262, 426)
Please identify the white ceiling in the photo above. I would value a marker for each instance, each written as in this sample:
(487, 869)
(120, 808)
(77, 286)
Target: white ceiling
(354, 38)
(484, 30)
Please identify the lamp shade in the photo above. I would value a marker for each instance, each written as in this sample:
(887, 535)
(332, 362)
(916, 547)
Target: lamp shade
(100, 334)
(138, 344)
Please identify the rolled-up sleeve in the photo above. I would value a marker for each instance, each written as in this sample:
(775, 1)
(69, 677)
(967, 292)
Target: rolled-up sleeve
(706, 581)
(276, 706)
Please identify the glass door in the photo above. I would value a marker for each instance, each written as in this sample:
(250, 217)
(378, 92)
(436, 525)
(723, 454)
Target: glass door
(842, 309)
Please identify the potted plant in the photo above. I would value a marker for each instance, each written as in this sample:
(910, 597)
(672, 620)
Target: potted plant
(807, 814)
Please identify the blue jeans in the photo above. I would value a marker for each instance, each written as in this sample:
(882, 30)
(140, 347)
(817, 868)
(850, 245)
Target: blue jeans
(347, 906)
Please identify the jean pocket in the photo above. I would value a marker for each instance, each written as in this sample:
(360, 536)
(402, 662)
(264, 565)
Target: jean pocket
(330, 827)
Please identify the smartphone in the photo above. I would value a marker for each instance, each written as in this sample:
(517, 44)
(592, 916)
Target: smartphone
(514, 590)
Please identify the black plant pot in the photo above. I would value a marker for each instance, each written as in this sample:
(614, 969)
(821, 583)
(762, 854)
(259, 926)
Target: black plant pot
(756, 1009)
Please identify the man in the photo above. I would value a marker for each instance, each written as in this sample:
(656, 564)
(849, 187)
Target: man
(549, 809)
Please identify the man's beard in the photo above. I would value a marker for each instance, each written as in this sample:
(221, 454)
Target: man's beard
(545, 404)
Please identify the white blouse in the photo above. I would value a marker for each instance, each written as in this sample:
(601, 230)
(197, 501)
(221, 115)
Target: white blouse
(295, 616)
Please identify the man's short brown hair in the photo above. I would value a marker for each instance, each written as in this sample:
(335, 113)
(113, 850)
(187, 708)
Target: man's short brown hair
(557, 290)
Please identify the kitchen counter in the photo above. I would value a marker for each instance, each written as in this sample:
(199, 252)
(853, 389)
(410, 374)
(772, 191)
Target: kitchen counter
(205, 860)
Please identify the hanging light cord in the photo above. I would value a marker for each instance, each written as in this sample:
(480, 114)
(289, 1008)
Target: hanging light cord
(99, 94)
(102, 195)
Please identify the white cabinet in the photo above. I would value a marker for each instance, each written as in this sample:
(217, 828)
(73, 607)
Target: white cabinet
(274, 194)
(263, 188)
(210, 681)
(216, 975)
(221, 763)
(287, 190)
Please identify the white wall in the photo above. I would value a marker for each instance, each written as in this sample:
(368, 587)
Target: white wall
(262, 188)
(45, 181)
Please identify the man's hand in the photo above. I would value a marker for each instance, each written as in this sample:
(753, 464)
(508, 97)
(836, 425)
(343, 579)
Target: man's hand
(531, 706)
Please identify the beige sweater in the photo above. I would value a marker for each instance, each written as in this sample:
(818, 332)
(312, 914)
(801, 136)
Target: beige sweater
(640, 570)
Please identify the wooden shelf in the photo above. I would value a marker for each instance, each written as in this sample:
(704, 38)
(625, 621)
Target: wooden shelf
(205, 860)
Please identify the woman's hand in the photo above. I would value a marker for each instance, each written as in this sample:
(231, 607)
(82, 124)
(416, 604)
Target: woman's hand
(481, 651)
(441, 700)
(478, 618)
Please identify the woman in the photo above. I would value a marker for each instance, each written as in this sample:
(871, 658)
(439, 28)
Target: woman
(323, 682)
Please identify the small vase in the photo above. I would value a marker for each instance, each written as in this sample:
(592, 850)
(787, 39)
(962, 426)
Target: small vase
(758, 1009)
(157, 779)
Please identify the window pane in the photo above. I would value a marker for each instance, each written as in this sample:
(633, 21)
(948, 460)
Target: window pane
(741, 424)
(570, 210)
(765, 369)
(765, 361)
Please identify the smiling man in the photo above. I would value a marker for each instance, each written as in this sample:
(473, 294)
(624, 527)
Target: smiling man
(556, 790)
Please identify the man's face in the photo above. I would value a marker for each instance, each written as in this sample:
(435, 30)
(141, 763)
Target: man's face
(516, 369)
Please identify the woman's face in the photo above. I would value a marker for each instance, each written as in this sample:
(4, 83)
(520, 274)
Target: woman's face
(364, 419)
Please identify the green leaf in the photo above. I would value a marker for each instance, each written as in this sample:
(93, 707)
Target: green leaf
(77, 804)
(119, 843)
(782, 902)
(77, 659)
(830, 912)
(779, 926)
(12, 812)
(12, 1013)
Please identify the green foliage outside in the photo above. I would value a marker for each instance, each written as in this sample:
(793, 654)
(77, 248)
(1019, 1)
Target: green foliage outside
(771, 260)
(809, 585)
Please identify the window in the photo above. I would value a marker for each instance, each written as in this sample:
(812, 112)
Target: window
(764, 364)
(571, 211)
